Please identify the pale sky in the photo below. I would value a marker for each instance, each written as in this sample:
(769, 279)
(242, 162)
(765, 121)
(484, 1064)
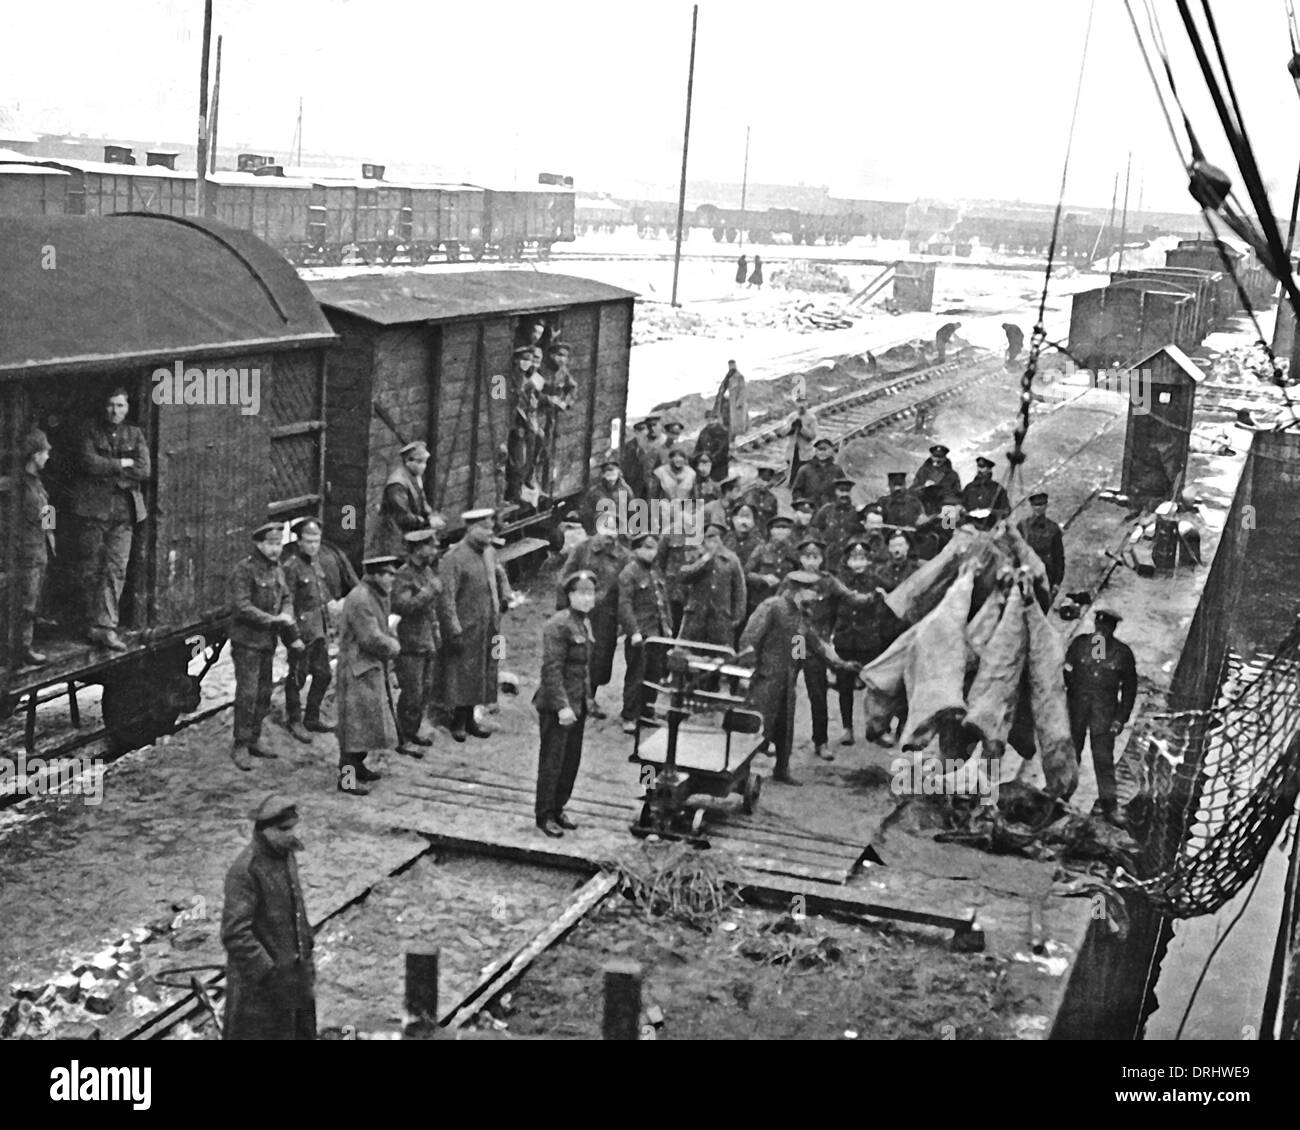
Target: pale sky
(882, 98)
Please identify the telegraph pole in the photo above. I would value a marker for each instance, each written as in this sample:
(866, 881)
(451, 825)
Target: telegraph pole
(1123, 223)
(201, 163)
(686, 144)
(216, 107)
(744, 186)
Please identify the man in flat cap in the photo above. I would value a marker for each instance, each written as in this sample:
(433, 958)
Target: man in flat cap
(715, 592)
(562, 701)
(762, 497)
(1100, 690)
(837, 521)
(984, 492)
(1045, 539)
(263, 614)
(602, 556)
(365, 698)
(643, 614)
(900, 508)
(305, 576)
(35, 541)
(715, 441)
(112, 461)
(816, 478)
(270, 974)
(403, 506)
(802, 511)
(938, 471)
(416, 590)
(475, 595)
(611, 492)
(673, 436)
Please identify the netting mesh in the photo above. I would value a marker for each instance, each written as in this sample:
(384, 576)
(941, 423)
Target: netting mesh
(1219, 784)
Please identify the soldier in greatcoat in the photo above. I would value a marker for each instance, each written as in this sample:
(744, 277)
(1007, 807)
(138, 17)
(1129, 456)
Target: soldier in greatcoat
(816, 478)
(900, 508)
(610, 492)
(365, 698)
(643, 614)
(263, 614)
(770, 562)
(603, 557)
(562, 702)
(305, 576)
(836, 522)
(938, 469)
(270, 974)
(475, 594)
(857, 626)
(416, 590)
(743, 539)
(715, 592)
(761, 496)
(984, 492)
(403, 506)
(35, 541)
(714, 441)
(1045, 539)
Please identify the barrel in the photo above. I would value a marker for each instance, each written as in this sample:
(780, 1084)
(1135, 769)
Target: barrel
(1164, 550)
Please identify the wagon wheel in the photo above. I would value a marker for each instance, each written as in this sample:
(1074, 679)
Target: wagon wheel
(753, 789)
(476, 250)
(543, 251)
(697, 822)
(453, 252)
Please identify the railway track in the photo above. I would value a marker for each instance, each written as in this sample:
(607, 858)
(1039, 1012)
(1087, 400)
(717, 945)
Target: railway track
(573, 255)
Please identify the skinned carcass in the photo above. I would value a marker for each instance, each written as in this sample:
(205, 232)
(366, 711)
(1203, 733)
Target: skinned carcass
(991, 702)
(935, 674)
(1048, 706)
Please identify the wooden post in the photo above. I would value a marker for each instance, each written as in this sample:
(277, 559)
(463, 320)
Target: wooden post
(201, 160)
(422, 992)
(622, 1019)
(1123, 223)
(686, 144)
(216, 108)
(744, 188)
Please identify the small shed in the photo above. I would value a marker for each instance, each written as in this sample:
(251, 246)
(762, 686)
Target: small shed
(1161, 390)
(430, 357)
(914, 285)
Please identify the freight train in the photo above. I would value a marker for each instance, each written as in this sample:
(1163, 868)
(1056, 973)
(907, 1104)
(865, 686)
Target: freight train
(312, 218)
(187, 315)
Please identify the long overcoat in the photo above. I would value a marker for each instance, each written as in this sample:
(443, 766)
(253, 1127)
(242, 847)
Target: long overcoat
(366, 644)
(469, 611)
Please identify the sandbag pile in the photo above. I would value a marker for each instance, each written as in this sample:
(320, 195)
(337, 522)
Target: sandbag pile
(980, 668)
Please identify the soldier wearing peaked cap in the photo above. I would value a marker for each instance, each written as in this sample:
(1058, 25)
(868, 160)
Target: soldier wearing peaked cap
(643, 613)
(270, 972)
(610, 492)
(837, 521)
(816, 479)
(715, 592)
(562, 702)
(937, 471)
(1045, 539)
(305, 576)
(404, 505)
(762, 498)
(900, 508)
(416, 590)
(35, 540)
(714, 441)
(984, 492)
(603, 557)
(770, 562)
(263, 614)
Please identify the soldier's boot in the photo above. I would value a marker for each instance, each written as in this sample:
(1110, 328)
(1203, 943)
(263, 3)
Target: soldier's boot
(239, 755)
(824, 753)
(318, 725)
(349, 781)
(410, 747)
(260, 751)
(299, 731)
(848, 738)
(365, 774)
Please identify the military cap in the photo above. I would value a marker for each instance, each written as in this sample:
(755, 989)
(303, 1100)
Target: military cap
(699, 455)
(674, 426)
(523, 351)
(823, 442)
(482, 514)
(899, 532)
(419, 447)
(781, 520)
(639, 540)
(267, 529)
(812, 539)
(857, 543)
(847, 484)
(652, 419)
(273, 809)
(803, 504)
(298, 525)
(938, 449)
(871, 508)
(415, 537)
(380, 562)
(639, 426)
(1106, 613)
(560, 347)
(730, 481)
(611, 461)
(35, 440)
(897, 476)
(709, 526)
(802, 578)
(1038, 499)
(678, 451)
(982, 461)
(571, 581)
(768, 469)
(743, 506)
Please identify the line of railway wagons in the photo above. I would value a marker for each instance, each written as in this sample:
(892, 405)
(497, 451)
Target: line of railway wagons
(310, 219)
(1143, 310)
(348, 371)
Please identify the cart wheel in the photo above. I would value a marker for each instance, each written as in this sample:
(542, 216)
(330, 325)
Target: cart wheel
(697, 822)
(753, 789)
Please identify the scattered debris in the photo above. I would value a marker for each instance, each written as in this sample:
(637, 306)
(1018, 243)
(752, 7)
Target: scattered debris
(674, 879)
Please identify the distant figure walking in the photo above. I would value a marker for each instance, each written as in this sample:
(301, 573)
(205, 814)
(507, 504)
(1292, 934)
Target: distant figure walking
(730, 404)
(756, 276)
(742, 270)
(944, 336)
(1015, 340)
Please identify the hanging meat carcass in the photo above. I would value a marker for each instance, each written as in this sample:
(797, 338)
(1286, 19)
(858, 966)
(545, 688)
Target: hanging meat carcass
(935, 674)
(1048, 706)
(991, 702)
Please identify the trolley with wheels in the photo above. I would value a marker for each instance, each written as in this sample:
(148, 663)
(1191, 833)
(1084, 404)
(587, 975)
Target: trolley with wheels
(706, 746)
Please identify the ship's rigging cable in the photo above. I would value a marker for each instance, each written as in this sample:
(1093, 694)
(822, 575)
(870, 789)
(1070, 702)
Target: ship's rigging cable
(1016, 456)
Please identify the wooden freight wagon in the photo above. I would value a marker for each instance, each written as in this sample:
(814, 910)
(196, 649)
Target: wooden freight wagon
(276, 209)
(32, 190)
(429, 357)
(90, 305)
(517, 219)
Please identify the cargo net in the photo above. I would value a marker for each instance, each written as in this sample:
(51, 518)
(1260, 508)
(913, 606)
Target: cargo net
(1219, 784)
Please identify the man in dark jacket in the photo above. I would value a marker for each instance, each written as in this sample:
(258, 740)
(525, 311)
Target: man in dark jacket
(112, 462)
(311, 599)
(770, 562)
(643, 614)
(561, 702)
(270, 974)
(366, 646)
(900, 508)
(715, 440)
(762, 498)
(984, 492)
(416, 590)
(35, 541)
(715, 592)
(943, 337)
(816, 479)
(604, 558)
(937, 470)
(857, 633)
(403, 506)
(1100, 689)
(263, 614)
(1045, 539)
(1015, 340)
(610, 492)
(836, 522)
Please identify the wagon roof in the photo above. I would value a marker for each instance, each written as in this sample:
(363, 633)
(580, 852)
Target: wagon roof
(1179, 358)
(138, 288)
(396, 297)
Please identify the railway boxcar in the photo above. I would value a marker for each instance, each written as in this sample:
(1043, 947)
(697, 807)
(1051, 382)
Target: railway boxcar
(529, 217)
(276, 209)
(445, 218)
(105, 188)
(599, 214)
(152, 297)
(33, 190)
(429, 357)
